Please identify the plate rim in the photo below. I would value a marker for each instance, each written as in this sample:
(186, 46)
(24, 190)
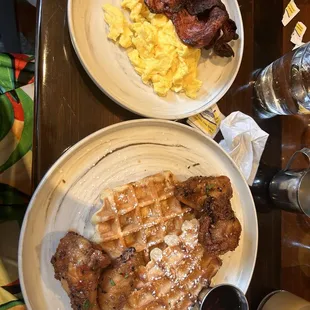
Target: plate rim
(77, 145)
(152, 114)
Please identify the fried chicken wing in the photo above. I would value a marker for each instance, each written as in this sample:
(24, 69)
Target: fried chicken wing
(220, 237)
(119, 280)
(78, 264)
(200, 192)
(210, 197)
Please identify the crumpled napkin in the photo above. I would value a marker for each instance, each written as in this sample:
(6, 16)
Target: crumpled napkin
(244, 141)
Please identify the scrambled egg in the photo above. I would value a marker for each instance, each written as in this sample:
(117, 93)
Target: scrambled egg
(154, 48)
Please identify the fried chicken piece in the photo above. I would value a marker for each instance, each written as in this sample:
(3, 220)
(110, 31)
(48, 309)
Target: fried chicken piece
(195, 7)
(78, 264)
(200, 193)
(221, 46)
(164, 6)
(198, 31)
(210, 197)
(119, 280)
(220, 237)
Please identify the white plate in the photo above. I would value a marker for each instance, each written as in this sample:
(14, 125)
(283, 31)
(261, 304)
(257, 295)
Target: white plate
(114, 156)
(109, 67)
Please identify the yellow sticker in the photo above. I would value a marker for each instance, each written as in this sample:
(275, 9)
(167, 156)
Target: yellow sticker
(298, 33)
(290, 12)
(208, 121)
(303, 110)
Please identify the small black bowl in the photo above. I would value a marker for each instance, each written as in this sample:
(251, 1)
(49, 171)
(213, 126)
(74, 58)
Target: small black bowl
(223, 297)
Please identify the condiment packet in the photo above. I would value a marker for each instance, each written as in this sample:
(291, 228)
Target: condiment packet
(290, 12)
(298, 34)
(244, 141)
(208, 121)
(303, 110)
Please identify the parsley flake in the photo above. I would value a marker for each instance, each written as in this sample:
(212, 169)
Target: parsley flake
(209, 187)
(86, 304)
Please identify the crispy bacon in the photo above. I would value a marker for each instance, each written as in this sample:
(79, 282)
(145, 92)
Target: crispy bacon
(199, 23)
(221, 46)
(199, 32)
(195, 7)
(78, 264)
(164, 6)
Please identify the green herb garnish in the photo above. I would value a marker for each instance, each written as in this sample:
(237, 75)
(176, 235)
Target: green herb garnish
(209, 187)
(126, 275)
(86, 304)
(112, 282)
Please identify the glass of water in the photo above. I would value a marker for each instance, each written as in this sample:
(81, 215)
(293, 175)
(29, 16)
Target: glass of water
(283, 87)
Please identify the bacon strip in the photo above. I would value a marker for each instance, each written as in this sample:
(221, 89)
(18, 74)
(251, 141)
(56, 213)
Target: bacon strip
(199, 33)
(164, 6)
(221, 46)
(199, 23)
(195, 7)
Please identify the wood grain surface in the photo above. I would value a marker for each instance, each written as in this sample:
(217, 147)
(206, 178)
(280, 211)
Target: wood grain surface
(69, 107)
(295, 273)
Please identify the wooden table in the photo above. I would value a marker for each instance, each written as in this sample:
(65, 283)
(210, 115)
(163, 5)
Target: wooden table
(69, 107)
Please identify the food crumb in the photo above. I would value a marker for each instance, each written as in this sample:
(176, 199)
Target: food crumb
(193, 165)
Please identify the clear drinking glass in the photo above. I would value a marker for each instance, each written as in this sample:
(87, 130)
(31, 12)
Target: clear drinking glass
(283, 87)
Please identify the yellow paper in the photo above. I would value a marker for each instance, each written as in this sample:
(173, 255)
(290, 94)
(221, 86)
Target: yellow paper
(298, 33)
(303, 110)
(208, 121)
(290, 12)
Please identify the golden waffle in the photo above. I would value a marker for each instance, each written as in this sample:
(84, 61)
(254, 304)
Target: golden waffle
(139, 215)
(175, 276)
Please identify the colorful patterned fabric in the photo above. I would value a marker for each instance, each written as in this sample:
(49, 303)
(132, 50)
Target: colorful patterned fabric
(16, 127)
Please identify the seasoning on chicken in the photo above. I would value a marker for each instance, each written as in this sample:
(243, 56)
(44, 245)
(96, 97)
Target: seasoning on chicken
(201, 192)
(210, 197)
(78, 264)
(199, 23)
(221, 236)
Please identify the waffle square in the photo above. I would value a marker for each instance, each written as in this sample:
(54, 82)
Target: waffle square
(139, 214)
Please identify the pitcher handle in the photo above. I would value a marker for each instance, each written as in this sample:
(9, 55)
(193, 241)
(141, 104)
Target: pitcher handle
(304, 151)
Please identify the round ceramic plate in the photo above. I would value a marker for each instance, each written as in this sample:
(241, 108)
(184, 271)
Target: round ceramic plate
(111, 157)
(109, 67)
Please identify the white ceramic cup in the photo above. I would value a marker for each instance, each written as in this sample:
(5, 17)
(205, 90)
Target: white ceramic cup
(283, 300)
